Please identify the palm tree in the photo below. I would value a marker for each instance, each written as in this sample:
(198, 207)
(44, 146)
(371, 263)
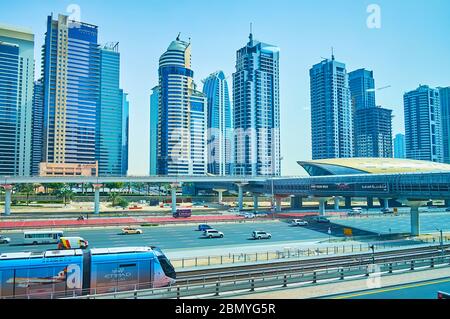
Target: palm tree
(114, 198)
(27, 189)
(66, 194)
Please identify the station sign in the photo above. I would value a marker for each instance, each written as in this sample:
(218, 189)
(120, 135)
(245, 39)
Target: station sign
(352, 187)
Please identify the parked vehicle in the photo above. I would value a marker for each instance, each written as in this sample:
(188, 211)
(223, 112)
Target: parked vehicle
(259, 234)
(131, 231)
(212, 233)
(299, 222)
(72, 243)
(204, 227)
(4, 240)
(321, 219)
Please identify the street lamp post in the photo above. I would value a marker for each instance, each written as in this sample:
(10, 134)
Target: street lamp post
(373, 254)
(441, 242)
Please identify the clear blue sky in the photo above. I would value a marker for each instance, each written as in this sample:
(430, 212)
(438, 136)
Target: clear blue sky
(412, 47)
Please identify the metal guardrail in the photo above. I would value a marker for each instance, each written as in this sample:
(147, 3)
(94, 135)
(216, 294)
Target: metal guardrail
(215, 260)
(275, 281)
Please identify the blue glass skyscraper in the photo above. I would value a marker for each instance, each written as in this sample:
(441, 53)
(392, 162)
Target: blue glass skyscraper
(109, 131)
(256, 110)
(154, 106)
(399, 146)
(220, 128)
(331, 111)
(423, 126)
(38, 126)
(16, 100)
(182, 115)
(372, 126)
(125, 132)
(71, 91)
(445, 113)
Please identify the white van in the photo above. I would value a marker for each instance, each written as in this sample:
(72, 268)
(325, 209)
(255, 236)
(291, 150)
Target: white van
(72, 243)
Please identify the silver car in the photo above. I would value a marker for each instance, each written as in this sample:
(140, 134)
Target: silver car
(4, 240)
(212, 233)
(259, 234)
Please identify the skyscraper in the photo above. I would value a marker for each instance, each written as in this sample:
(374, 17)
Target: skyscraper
(109, 113)
(154, 106)
(125, 132)
(71, 70)
(16, 100)
(362, 89)
(399, 146)
(445, 114)
(331, 111)
(423, 125)
(373, 132)
(220, 128)
(182, 115)
(256, 110)
(372, 126)
(38, 126)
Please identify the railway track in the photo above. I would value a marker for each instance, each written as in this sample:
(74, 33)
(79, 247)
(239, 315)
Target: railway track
(309, 265)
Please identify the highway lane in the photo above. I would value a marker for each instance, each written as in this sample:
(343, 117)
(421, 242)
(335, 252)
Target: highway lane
(184, 237)
(419, 290)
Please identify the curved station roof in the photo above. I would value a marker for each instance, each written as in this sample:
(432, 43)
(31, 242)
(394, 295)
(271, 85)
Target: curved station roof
(348, 166)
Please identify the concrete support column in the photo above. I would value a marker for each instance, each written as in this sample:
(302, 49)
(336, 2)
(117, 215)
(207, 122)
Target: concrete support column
(255, 202)
(348, 202)
(296, 202)
(415, 222)
(336, 203)
(322, 206)
(173, 191)
(241, 197)
(8, 192)
(370, 202)
(97, 198)
(386, 203)
(278, 204)
(220, 192)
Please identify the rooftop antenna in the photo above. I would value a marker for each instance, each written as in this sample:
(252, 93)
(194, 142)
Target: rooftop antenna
(178, 37)
(251, 33)
(332, 53)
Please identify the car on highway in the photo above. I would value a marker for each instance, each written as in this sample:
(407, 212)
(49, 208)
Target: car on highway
(204, 227)
(212, 233)
(387, 211)
(299, 222)
(4, 239)
(447, 209)
(355, 211)
(233, 210)
(131, 231)
(259, 234)
(249, 215)
(321, 219)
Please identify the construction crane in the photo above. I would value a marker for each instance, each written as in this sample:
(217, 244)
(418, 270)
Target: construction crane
(379, 89)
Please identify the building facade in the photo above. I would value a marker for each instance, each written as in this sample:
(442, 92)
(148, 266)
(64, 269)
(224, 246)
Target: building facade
(38, 126)
(373, 132)
(220, 127)
(182, 115)
(445, 114)
(362, 89)
(331, 111)
(423, 126)
(154, 107)
(16, 100)
(125, 132)
(71, 72)
(109, 131)
(399, 146)
(256, 110)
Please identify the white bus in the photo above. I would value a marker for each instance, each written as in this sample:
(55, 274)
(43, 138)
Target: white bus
(42, 237)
